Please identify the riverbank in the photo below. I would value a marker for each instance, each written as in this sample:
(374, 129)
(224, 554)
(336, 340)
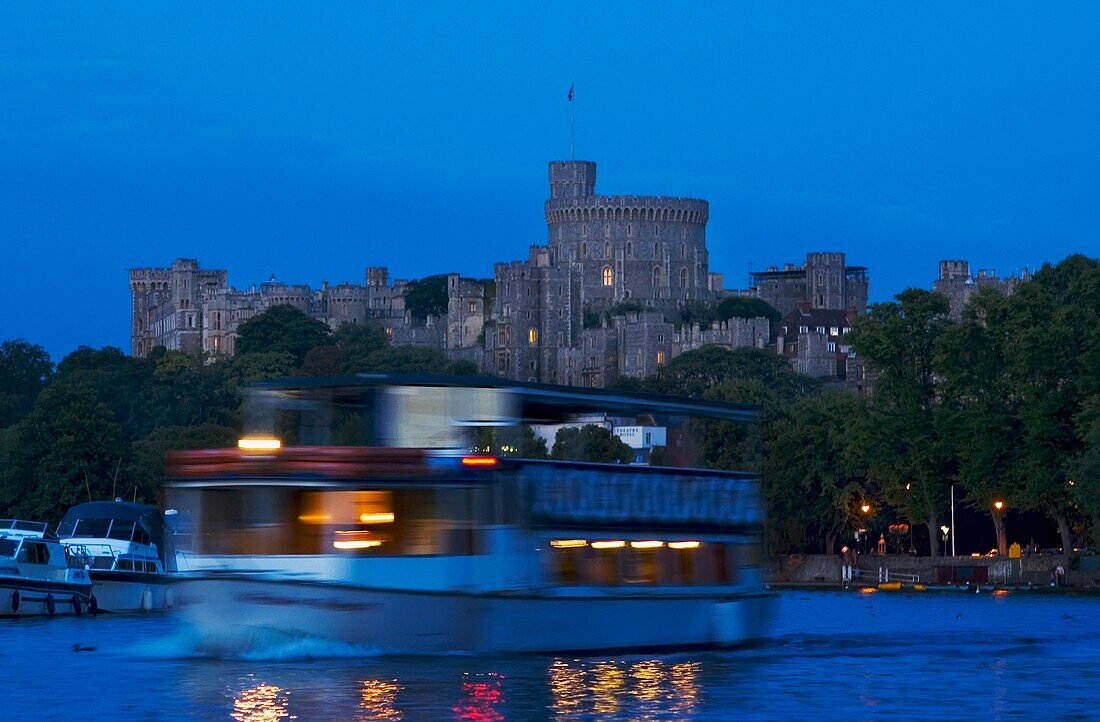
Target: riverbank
(1034, 572)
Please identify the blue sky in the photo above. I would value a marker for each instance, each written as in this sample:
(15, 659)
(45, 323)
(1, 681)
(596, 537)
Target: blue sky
(311, 140)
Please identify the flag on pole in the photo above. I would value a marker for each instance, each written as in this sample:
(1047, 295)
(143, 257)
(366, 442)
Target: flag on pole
(570, 96)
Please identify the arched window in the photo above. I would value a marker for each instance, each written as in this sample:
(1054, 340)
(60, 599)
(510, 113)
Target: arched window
(607, 250)
(683, 278)
(656, 276)
(629, 249)
(584, 250)
(607, 276)
(532, 335)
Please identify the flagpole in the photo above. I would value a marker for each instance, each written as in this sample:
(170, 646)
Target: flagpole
(572, 121)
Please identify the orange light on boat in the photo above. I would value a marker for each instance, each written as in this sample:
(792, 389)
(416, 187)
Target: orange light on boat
(646, 544)
(259, 444)
(568, 543)
(683, 545)
(382, 517)
(355, 543)
(611, 544)
(479, 461)
(314, 518)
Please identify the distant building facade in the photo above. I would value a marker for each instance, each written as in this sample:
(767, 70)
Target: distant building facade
(959, 285)
(824, 281)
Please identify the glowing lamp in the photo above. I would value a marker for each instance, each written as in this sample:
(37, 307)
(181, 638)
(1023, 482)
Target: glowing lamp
(683, 545)
(998, 505)
(479, 461)
(646, 544)
(382, 517)
(568, 543)
(612, 544)
(259, 444)
(866, 508)
(356, 543)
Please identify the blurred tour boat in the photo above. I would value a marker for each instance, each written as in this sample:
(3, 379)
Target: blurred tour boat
(35, 575)
(126, 551)
(376, 525)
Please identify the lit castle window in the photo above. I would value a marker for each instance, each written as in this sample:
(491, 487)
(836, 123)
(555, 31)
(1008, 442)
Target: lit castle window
(608, 276)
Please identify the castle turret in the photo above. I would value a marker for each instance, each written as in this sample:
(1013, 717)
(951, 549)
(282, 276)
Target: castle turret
(572, 178)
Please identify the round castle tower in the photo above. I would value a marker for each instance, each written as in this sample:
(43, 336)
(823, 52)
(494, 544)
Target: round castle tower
(649, 250)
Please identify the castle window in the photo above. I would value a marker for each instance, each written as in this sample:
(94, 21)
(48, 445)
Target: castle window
(832, 347)
(532, 335)
(656, 250)
(584, 250)
(561, 338)
(473, 306)
(660, 357)
(607, 250)
(607, 276)
(630, 229)
(660, 338)
(560, 313)
(683, 250)
(683, 278)
(656, 276)
(821, 330)
(584, 229)
(607, 229)
(629, 249)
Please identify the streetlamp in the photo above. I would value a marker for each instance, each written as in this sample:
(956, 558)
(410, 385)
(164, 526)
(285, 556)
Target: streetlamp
(945, 530)
(999, 526)
(866, 508)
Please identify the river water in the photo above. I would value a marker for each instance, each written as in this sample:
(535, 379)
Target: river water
(847, 655)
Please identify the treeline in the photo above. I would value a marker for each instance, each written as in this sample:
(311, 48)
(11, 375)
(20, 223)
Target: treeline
(97, 424)
(1004, 403)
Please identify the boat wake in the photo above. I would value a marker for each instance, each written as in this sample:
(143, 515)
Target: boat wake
(253, 644)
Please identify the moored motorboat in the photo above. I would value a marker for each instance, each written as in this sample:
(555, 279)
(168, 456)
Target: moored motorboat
(35, 575)
(126, 551)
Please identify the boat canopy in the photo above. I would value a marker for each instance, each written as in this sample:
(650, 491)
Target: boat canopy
(142, 515)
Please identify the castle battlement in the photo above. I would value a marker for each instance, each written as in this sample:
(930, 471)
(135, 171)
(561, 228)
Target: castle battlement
(627, 208)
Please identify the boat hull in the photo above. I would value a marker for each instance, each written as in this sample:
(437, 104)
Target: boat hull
(36, 598)
(121, 591)
(404, 621)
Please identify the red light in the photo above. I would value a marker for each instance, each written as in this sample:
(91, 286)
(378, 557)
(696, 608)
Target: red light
(479, 461)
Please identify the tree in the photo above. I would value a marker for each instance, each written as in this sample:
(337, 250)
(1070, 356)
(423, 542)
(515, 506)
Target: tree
(980, 409)
(282, 329)
(738, 307)
(590, 443)
(116, 380)
(25, 369)
(817, 468)
(694, 372)
(913, 461)
(327, 360)
(406, 360)
(69, 450)
(427, 297)
(147, 468)
(358, 342)
(1052, 342)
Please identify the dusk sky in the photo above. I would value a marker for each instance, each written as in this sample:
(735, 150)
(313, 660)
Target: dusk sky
(311, 140)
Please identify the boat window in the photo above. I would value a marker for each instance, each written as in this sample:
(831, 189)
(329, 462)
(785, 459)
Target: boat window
(34, 553)
(140, 537)
(125, 565)
(66, 529)
(8, 547)
(151, 567)
(641, 566)
(37, 526)
(380, 522)
(101, 562)
(93, 528)
(6, 523)
(121, 530)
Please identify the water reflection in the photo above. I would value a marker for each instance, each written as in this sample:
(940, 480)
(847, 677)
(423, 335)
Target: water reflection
(646, 689)
(481, 694)
(378, 699)
(262, 703)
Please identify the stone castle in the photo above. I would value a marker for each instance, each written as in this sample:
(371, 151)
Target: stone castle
(606, 297)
